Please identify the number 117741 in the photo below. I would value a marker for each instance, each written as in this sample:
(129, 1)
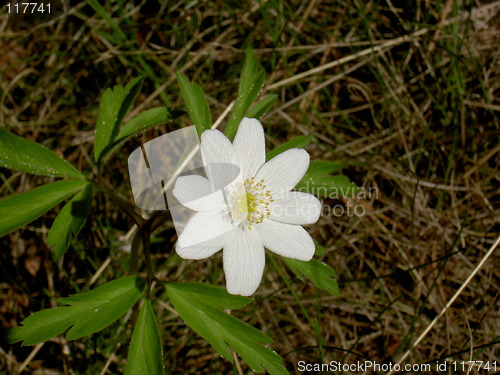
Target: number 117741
(26, 8)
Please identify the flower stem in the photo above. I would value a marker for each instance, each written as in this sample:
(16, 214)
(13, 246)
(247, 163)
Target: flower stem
(124, 205)
(145, 228)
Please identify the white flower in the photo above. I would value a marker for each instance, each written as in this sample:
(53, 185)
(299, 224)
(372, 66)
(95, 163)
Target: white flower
(245, 214)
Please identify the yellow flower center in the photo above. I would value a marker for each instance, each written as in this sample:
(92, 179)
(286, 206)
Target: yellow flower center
(249, 202)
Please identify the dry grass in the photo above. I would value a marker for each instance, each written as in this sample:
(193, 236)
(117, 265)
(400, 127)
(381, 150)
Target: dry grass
(406, 96)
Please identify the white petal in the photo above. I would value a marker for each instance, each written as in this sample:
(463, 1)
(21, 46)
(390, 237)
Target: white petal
(202, 227)
(195, 192)
(244, 260)
(216, 148)
(249, 146)
(202, 250)
(222, 175)
(288, 240)
(284, 171)
(295, 208)
(191, 187)
(219, 158)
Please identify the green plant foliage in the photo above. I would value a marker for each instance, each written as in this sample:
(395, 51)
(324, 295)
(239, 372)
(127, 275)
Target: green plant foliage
(213, 296)
(139, 123)
(115, 104)
(323, 167)
(145, 353)
(69, 221)
(251, 82)
(318, 182)
(196, 103)
(84, 314)
(320, 274)
(319, 250)
(143, 121)
(258, 110)
(200, 307)
(327, 186)
(18, 210)
(27, 156)
(302, 141)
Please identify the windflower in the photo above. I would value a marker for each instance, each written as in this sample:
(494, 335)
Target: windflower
(245, 205)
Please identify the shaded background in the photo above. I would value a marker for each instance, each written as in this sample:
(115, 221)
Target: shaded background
(403, 93)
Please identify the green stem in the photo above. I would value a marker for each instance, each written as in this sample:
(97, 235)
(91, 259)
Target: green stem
(292, 290)
(134, 253)
(146, 246)
(145, 228)
(125, 206)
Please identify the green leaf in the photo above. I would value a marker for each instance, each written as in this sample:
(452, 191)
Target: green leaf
(131, 91)
(145, 353)
(106, 119)
(328, 186)
(69, 221)
(317, 181)
(115, 104)
(20, 209)
(143, 121)
(200, 307)
(84, 314)
(319, 250)
(251, 82)
(212, 296)
(27, 156)
(323, 167)
(260, 109)
(196, 103)
(302, 141)
(317, 272)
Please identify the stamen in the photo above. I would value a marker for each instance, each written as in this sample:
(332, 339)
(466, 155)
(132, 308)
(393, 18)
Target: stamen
(249, 202)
